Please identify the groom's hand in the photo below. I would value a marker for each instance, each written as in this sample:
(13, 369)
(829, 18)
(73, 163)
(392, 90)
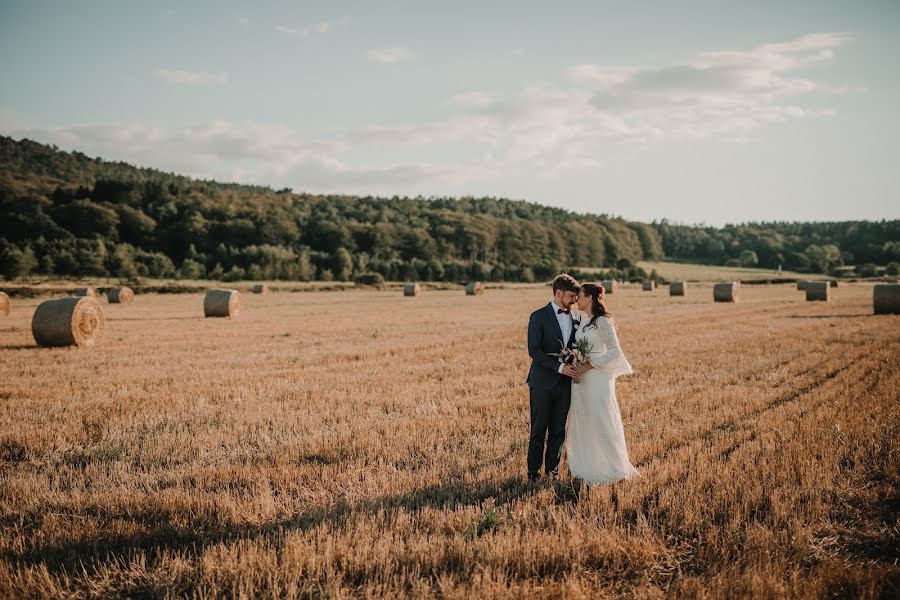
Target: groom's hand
(570, 371)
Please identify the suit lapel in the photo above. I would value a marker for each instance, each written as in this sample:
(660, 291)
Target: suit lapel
(575, 326)
(553, 318)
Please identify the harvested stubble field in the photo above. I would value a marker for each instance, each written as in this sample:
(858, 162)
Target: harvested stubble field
(365, 444)
(686, 271)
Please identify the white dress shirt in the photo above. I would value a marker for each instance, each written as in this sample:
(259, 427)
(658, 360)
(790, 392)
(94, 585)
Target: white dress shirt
(565, 323)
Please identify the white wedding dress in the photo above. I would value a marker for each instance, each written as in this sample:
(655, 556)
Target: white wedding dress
(595, 438)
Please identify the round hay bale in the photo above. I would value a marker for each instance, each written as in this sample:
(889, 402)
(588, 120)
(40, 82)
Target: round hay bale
(88, 292)
(120, 295)
(412, 289)
(729, 291)
(4, 304)
(222, 303)
(678, 288)
(73, 321)
(476, 288)
(886, 298)
(817, 290)
(609, 286)
(260, 288)
(649, 285)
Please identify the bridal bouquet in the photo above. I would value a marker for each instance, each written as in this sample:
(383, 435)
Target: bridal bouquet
(575, 355)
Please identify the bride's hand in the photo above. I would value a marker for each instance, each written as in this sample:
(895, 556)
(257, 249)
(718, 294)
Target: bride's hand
(585, 368)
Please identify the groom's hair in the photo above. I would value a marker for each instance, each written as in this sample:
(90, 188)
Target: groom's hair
(566, 283)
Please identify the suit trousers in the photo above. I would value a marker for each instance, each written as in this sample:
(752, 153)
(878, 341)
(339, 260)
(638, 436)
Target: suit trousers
(549, 409)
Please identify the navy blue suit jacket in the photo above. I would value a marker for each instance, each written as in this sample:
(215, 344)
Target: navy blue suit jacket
(544, 337)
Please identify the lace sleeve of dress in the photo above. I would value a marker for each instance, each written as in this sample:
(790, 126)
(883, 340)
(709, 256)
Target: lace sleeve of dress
(613, 354)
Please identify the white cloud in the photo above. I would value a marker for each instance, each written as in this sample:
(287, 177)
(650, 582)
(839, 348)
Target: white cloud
(290, 30)
(729, 78)
(455, 129)
(243, 21)
(181, 77)
(474, 99)
(322, 28)
(222, 150)
(847, 89)
(391, 54)
(724, 95)
(549, 129)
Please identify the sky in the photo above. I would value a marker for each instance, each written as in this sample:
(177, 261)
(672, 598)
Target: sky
(693, 111)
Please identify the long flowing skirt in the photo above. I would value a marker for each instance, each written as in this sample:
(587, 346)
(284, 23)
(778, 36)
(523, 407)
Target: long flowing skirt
(595, 438)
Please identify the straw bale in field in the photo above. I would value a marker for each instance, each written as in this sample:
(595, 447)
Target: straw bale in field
(818, 290)
(476, 288)
(72, 321)
(729, 291)
(886, 298)
(678, 288)
(120, 295)
(222, 303)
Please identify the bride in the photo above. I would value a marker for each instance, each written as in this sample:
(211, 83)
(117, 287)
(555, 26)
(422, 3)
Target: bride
(595, 437)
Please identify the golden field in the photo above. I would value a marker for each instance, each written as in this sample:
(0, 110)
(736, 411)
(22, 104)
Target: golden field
(675, 271)
(363, 444)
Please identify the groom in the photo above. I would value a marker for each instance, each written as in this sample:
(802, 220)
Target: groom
(549, 381)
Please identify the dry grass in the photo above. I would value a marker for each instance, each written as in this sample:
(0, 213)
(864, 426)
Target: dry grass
(674, 271)
(365, 444)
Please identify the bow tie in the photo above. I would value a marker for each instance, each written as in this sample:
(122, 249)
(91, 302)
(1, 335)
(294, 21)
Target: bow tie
(560, 311)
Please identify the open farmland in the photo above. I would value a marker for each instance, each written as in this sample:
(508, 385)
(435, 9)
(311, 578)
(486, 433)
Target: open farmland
(673, 271)
(344, 444)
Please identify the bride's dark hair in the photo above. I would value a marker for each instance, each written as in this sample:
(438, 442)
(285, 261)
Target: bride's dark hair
(598, 307)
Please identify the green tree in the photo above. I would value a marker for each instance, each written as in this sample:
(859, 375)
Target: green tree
(46, 265)
(234, 274)
(16, 263)
(822, 258)
(191, 269)
(343, 265)
(748, 258)
(156, 264)
(88, 219)
(121, 262)
(90, 257)
(868, 270)
(217, 272)
(134, 225)
(436, 269)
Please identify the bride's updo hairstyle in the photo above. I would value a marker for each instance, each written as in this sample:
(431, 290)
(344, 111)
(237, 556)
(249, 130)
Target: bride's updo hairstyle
(598, 307)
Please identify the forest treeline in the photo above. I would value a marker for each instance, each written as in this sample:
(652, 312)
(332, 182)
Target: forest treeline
(64, 213)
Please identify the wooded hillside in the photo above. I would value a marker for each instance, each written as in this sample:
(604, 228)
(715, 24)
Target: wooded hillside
(65, 213)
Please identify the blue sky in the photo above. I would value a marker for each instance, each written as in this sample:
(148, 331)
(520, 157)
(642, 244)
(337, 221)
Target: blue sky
(708, 112)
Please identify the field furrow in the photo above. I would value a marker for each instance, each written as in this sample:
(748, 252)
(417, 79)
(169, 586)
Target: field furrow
(361, 444)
